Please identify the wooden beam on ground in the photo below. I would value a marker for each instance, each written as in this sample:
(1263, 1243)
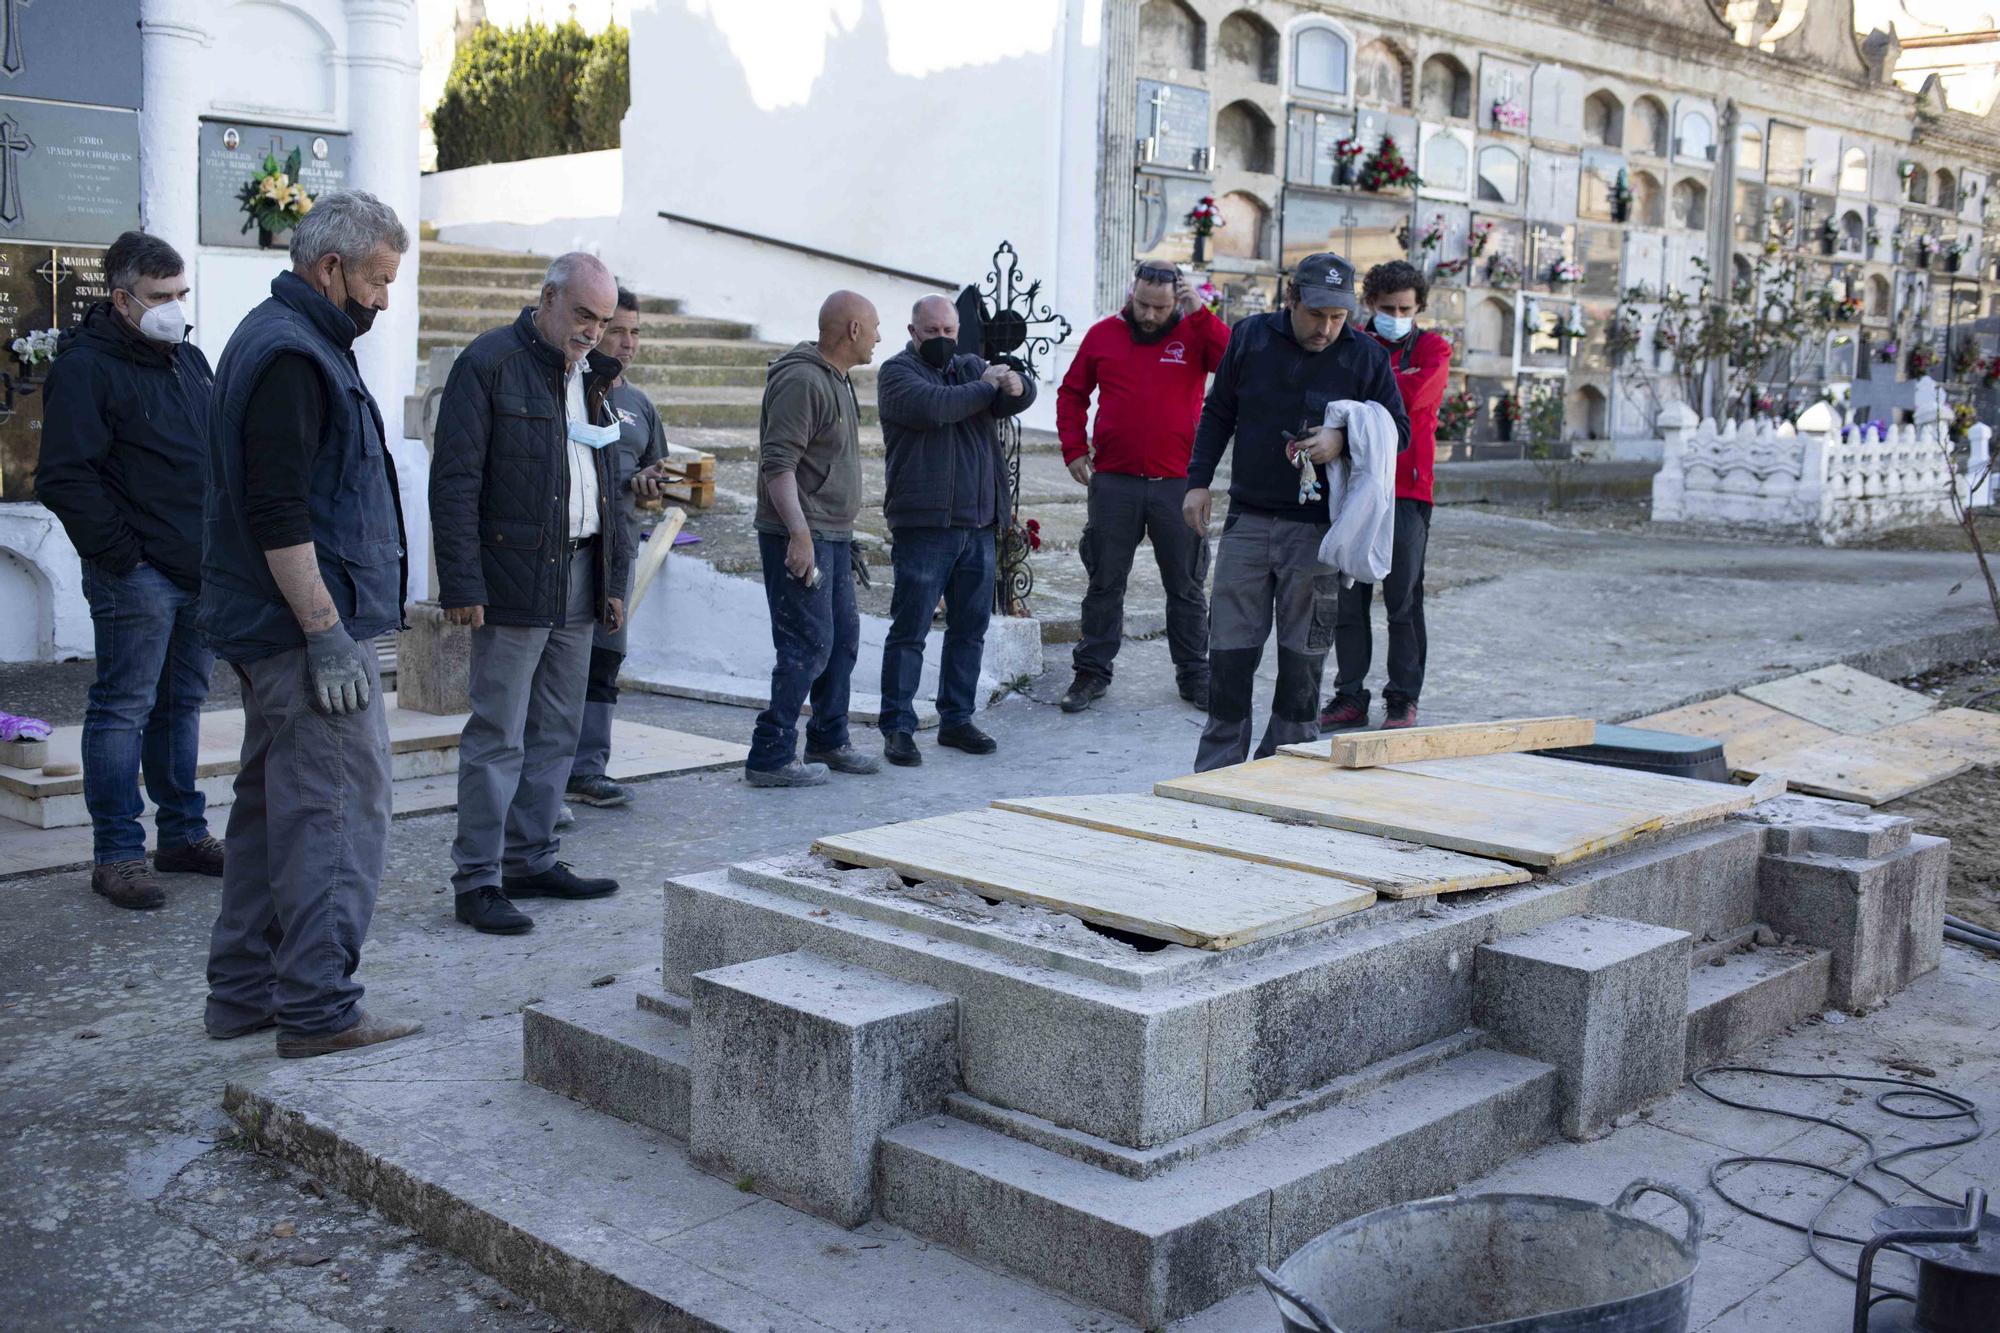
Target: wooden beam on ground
(1373, 749)
(1750, 732)
(1147, 888)
(653, 556)
(1843, 699)
(1392, 869)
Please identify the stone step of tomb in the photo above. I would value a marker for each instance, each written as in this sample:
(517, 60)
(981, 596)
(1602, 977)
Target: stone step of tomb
(522, 286)
(451, 316)
(1739, 998)
(1211, 1221)
(620, 1049)
(441, 254)
(454, 289)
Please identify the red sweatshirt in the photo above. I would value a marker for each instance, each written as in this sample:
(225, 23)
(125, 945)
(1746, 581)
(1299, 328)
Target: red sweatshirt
(1421, 372)
(1148, 395)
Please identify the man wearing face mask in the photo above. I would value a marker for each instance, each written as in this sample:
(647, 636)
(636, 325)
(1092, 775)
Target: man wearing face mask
(124, 446)
(944, 495)
(1147, 364)
(532, 553)
(303, 567)
(1267, 407)
(1396, 292)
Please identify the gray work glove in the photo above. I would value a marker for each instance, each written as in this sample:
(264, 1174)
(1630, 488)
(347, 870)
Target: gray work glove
(338, 672)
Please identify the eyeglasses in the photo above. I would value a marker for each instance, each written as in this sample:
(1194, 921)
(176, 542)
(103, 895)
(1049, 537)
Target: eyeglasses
(1156, 273)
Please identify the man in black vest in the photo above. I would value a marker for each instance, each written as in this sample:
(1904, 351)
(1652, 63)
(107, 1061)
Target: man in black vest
(531, 553)
(124, 443)
(302, 567)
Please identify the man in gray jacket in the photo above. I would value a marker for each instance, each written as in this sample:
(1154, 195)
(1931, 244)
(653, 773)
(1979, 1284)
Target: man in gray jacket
(808, 492)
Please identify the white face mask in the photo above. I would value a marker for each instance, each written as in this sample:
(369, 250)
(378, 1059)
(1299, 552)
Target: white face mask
(165, 322)
(595, 437)
(1394, 328)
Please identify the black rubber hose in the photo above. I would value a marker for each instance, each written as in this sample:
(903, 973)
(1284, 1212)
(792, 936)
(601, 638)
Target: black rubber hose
(1986, 942)
(1952, 1107)
(1970, 927)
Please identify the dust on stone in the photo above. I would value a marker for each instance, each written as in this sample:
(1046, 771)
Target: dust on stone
(954, 902)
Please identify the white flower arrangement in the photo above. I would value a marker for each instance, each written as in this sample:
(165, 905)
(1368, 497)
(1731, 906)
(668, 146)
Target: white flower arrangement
(37, 347)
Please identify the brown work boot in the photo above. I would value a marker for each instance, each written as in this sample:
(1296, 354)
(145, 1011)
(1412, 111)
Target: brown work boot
(127, 884)
(367, 1032)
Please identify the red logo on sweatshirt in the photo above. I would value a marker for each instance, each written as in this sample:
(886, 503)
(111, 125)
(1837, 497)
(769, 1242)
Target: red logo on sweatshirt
(1174, 354)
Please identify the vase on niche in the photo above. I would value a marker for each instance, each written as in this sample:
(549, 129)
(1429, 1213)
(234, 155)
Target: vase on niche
(1345, 172)
(1200, 248)
(274, 240)
(1505, 426)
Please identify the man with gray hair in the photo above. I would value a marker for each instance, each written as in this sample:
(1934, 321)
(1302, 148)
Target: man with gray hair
(302, 566)
(531, 554)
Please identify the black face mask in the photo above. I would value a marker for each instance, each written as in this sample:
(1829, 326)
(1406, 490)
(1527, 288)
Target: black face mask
(1143, 338)
(937, 352)
(362, 315)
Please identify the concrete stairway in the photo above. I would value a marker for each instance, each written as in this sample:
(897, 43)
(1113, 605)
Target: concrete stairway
(702, 373)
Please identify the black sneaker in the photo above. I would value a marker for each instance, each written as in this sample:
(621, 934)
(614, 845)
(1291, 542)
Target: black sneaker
(900, 748)
(793, 774)
(968, 738)
(599, 791)
(127, 884)
(1196, 692)
(1084, 691)
(558, 881)
(1343, 714)
(202, 857)
(487, 911)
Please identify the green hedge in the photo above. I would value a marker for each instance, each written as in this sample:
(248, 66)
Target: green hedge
(532, 91)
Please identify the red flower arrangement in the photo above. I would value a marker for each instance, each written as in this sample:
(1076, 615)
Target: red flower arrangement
(1385, 168)
(1205, 216)
(1034, 530)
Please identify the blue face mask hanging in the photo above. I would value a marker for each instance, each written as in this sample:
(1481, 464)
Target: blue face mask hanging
(593, 437)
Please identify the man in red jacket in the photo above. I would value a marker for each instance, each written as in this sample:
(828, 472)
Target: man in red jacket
(1148, 364)
(1395, 292)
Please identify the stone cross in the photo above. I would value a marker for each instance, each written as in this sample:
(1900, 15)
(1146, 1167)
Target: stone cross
(11, 149)
(10, 54)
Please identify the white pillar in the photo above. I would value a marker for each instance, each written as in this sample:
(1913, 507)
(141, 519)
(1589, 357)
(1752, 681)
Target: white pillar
(173, 49)
(1977, 476)
(383, 67)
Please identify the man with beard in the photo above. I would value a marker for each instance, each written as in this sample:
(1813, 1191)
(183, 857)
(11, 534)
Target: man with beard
(1148, 364)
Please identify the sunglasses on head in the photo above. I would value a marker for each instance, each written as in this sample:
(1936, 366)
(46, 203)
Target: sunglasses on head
(1156, 273)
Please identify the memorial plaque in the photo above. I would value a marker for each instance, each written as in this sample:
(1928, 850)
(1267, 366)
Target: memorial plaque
(68, 174)
(232, 155)
(71, 51)
(1548, 245)
(1598, 250)
(1309, 152)
(1173, 126)
(41, 287)
(1362, 230)
(1160, 230)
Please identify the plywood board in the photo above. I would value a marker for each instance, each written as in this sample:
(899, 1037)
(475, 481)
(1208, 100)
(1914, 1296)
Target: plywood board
(1391, 868)
(1526, 828)
(1682, 800)
(1968, 732)
(1372, 749)
(1148, 888)
(1843, 699)
(1750, 732)
(1870, 769)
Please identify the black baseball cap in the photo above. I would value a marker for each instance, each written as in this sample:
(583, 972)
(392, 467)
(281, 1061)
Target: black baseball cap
(1326, 281)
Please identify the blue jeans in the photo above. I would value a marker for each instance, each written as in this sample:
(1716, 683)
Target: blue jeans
(817, 632)
(144, 714)
(956, 564)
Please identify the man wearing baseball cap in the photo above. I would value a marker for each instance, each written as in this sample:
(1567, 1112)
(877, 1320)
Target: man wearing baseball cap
(1269, 397)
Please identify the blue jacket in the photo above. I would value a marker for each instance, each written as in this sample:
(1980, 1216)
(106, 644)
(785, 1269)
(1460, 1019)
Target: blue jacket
(942, 462)
(357, 517)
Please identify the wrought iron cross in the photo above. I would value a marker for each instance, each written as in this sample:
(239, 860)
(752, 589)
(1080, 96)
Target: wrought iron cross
(12, 149)
(1347, 220)
(10, 53)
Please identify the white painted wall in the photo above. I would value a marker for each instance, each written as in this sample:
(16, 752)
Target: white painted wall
(43, 614)
(915, 134)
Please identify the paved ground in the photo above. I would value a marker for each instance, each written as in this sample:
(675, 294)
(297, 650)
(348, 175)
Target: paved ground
(124, 1205)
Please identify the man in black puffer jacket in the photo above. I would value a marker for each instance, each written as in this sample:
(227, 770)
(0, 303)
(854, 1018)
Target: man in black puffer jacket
(531, 553)
(944, 495)
(124, 450)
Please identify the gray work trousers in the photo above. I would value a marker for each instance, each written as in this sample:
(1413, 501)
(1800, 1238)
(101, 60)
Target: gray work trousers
(307, 837)
(1266, 568)
(526, 684)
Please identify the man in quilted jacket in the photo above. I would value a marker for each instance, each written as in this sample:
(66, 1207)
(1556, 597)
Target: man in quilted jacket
(532, 555)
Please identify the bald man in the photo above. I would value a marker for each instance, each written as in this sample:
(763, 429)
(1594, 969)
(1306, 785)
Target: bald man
(532, 556)
(808, 492)
(944, 495)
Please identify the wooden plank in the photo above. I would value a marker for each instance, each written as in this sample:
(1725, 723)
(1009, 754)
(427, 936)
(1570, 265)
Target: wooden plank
(1765, 786)
(1843, 699)
(1750, 732)
(1148, 888)
(1392, 869)
(1968, 732)
(1526, 828)
(1373, 749)
(1683, 800)
(652, 555)
(1869, 769)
